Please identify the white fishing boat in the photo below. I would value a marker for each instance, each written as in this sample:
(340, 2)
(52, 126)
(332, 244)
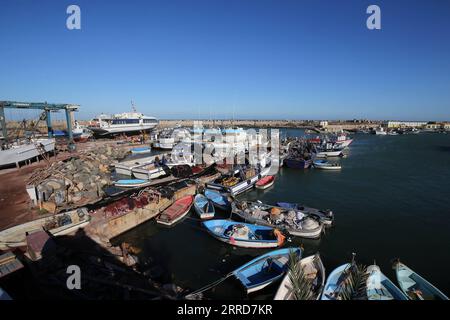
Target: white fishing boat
(148, 171)
(343, 141)
(380, 132)
(313, 271)
(57, 225)
(415, 286)
(16, 153)
(379, 287)
(125, 167)
(326, 165)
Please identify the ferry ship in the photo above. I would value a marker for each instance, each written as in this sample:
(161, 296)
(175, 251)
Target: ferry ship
(122, 123)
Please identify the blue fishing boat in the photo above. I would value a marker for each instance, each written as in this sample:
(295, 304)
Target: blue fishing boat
(131, 183)
(416, 287)
(141, 150)
(265, 269)
(244, 234)
(204, 207)
(297, 163)
(219, 200)
(379, 287)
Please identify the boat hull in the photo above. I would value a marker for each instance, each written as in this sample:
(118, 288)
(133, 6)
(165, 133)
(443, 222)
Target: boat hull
(25, 152)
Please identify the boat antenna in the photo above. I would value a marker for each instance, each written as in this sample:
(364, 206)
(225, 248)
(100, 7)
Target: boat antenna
(353, 257)
(132, 106)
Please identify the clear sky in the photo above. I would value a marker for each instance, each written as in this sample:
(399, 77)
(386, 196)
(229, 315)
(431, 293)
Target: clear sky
(218, 58)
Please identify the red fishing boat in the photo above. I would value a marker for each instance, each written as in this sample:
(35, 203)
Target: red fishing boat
(265, 182)
(176, 211)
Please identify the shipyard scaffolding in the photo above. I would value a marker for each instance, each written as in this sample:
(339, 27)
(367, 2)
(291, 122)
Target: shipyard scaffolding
(47, 108)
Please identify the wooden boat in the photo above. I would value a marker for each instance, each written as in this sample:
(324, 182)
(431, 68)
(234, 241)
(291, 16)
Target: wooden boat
(379, 287)
(219, 200)
(126, 167)
(329, 153)
(131, 183)
(325, 216)
(334, 282)
(297, 163)
(314, 272)
(204, 207)
(295, 222)
(148, 171)
(177, 211)
(141, 150)
(326, 165)
(244, 234)
(414, 286)
(57, 225)
(265, 183)
(265, 269)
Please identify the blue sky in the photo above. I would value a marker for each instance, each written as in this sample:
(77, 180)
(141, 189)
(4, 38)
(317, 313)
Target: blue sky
(218, 58)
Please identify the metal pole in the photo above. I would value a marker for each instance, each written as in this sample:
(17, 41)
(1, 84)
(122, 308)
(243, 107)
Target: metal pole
(71, 145)
(3, 122)
(49, 124)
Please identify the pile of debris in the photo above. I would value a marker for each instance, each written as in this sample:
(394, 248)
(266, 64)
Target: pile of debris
(77, 181)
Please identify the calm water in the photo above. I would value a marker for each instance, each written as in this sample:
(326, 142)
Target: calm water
(391, 200)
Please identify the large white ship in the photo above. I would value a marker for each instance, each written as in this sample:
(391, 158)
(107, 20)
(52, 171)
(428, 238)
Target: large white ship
(122, 123)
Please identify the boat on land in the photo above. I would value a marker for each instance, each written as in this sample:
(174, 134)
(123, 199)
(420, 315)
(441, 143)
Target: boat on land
(122, 123)
(219, 200)
(265, 269)
(265, 183)
(177, 211)
(379, 287)
(296, 223)
(414, 286)
(57, 225)
(244, 234)
(313, 272)
(149, 171)
(141, 150)
(131, 183)
(325, 216)
(333, 285)
(15, 153)
(204, 207)
(326, 165)
(126, 167)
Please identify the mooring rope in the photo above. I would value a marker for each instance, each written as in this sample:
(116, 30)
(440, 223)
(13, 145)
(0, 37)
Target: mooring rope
(208, 287)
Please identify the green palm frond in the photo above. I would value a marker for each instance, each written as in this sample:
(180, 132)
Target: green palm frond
(301, 285)
(353, 287)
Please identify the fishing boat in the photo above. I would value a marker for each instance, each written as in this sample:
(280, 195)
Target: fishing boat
(15, 153)
(380, 132)
(141, 150)
(204, 207)
(219, 200)
(57, 225)
(4, 295)
(379, 287)
(297, 163)
(149, 171)
(265, 269)
(414, 286)
(126, 167)
(313, 271)
(244, 234)
(239, 181)
(131, 183)
(177, 211)
(325, 216)
(329, 149)
(343, 141)
(294, 222)
(265, 183)
(326, 165)
(333, 285)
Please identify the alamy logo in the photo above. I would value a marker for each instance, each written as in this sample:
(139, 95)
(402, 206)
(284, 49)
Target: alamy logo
(374, 20)
(73, 21)
(74, 280)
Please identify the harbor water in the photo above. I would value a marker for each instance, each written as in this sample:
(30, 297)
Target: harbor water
(391, 200)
